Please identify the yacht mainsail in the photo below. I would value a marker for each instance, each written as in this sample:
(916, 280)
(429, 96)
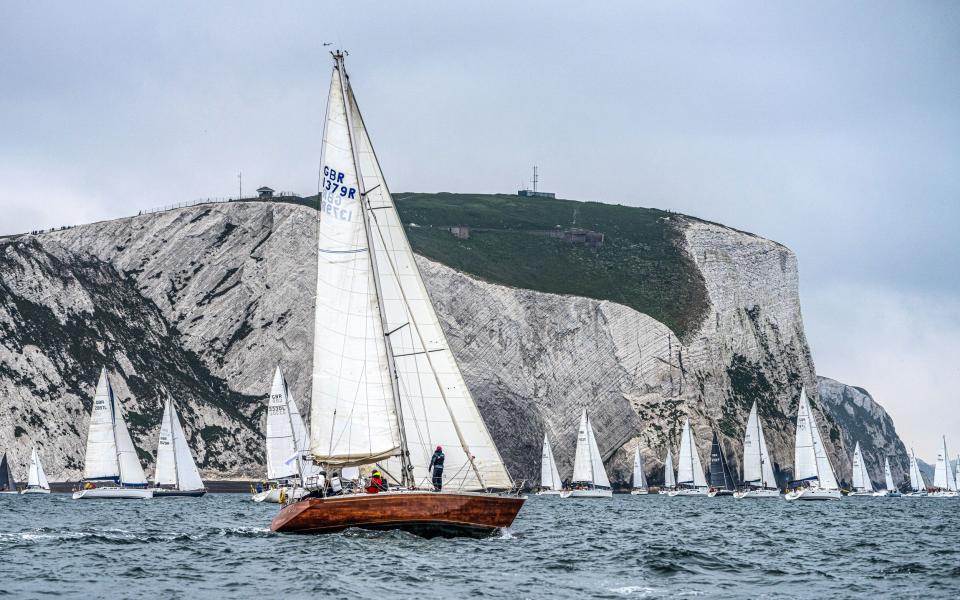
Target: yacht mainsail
(549, 474)
(943, 475)
(811, 462)
(757, 467)
(689, 467)
(36, 478)
(287, 437)
(639, 478)
(175, 465)
(110, 453)
(916, 477)
(888, 476)
(861, 477)
(669, 474)
(588, 464)
(720, 476)
(7, 482)
(385, 382)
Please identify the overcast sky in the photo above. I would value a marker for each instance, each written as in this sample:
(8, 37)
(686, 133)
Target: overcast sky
(833, 128)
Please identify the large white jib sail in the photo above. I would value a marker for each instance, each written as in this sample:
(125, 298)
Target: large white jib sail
(385, 382)
(110, 453)
(810, 460)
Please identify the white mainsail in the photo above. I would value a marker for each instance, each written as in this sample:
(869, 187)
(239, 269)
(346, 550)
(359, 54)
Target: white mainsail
(861, 477)
(669, 475)
(916, 477)
(943, 475)
(287, 437)
(689, 467)
(810, 456)
(639, 479)
(888, 476)
(374, 318)
(36, 478)
(588, 464)
(175, 464)
(549, 474)
(110, 451)
(757, 468)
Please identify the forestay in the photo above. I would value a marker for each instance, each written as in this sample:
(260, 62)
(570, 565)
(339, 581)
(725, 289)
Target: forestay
(549, 474)
(370, 290)
(690, 469)
(861, 478)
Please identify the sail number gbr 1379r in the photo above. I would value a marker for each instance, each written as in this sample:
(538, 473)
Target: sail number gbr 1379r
(334, 193)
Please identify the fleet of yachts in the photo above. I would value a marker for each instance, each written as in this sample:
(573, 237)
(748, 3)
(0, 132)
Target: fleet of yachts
(813, 478)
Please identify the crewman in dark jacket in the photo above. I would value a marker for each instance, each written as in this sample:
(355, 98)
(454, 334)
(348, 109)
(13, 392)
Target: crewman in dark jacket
(436, 463)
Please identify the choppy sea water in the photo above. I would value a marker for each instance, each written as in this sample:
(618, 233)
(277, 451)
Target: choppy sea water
(627, 547)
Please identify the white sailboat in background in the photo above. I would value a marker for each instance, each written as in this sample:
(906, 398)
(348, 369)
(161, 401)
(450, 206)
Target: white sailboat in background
(943, 476)
(111, 458)
(811, 465)
(669, 474)
(589, 475)
(691, 480)
(176, 473)
(550, 482)
(36, 478)
(758, 477)
(640, 487)
(287, 441)
(862, 485)
(892, 490)
(918, 487)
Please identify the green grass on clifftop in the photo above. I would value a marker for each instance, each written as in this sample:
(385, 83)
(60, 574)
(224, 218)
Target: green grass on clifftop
(642, 263)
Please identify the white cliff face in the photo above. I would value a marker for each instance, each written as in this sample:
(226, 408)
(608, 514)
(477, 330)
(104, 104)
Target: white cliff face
(227, 290)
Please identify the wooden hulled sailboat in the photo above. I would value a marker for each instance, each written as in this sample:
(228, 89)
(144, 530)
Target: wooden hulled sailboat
(862, 485)
(943, 476)
(640, 487)
(691, 480)
(111, 466)
(812, 473)
(287, 441)
(8, 485)
(721, 479)
(892, 491)
(36, 478)
(669, 474)
(589, 475)
(758, 478)
(386, 387)
(918, 487)
(176, 473)
(550, 482)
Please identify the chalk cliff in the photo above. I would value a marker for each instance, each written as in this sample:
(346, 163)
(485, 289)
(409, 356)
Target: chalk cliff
(204, 301)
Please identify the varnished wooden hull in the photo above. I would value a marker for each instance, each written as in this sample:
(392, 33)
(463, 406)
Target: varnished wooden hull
(427, 514)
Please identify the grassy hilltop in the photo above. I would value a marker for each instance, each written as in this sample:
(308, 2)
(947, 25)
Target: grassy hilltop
(642, 263)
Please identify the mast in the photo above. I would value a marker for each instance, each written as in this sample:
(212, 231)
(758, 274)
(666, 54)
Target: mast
(406, 478)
